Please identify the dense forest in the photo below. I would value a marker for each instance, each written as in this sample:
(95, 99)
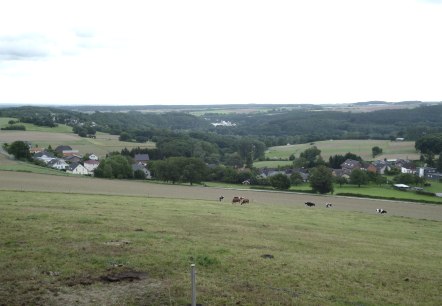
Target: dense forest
(306, 126)
(278, 126)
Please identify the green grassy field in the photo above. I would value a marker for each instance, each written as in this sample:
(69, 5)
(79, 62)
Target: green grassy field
(391, 149)
(55, 249)
(272, 163)
(385, 191)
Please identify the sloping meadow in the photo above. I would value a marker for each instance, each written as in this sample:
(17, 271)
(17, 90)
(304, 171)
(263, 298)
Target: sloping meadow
(58, 249)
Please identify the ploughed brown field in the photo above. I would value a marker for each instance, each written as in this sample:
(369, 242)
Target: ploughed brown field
(48, 183)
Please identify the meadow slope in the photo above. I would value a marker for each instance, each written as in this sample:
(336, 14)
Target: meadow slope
(21, 181)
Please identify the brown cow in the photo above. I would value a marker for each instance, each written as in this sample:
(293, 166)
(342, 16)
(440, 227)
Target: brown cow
(237, 200)
(244, 201)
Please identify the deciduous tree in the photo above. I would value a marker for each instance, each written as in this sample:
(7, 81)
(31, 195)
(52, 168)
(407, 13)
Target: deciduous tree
(19, 149)
(358, 177)
(321, 180)
(280, 181)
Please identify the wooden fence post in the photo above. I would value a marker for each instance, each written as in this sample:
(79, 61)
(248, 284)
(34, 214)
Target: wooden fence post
(193, 277)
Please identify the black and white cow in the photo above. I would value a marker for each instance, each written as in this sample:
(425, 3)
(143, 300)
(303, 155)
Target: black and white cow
(328, 205)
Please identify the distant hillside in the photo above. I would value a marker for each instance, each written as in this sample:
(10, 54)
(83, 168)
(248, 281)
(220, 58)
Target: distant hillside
(274, 126)
(305, 126)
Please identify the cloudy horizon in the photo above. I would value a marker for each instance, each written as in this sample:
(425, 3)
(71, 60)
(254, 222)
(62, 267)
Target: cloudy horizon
(211, 52)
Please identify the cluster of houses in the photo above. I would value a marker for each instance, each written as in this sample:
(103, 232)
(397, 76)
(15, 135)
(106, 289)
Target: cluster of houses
(378, 166)
(72, 162)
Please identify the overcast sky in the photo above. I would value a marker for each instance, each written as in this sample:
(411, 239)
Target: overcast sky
(219, 52)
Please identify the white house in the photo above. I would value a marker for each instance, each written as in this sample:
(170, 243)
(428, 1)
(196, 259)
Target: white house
(406, 170)
(91, 165)
(141, 167)
(93, 157)
(44, 156)
(77, 169)
(58, 163)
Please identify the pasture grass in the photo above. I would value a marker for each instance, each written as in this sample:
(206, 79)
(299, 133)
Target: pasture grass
(371, 190)
(55, 247)
(272, 163)
(385, 191)
(391, 149)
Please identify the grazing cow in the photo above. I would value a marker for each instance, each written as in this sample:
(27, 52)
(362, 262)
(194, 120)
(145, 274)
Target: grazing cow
(244, 201)
(221, 198)
(309, 204)
(237, 199)
(328, 205)
(381, 211)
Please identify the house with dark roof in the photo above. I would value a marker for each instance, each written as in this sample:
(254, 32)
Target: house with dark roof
(76, 168)
(381, 166)
(141, 158)
(370, 168)
(58, 163)
(72, 159)
(429, 173)
(349, 165)
(141, 167)
(91, 165)
(60, 149)
(44, 156)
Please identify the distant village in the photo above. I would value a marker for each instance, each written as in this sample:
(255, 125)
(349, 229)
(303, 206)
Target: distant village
(67, 159)
(378, 166)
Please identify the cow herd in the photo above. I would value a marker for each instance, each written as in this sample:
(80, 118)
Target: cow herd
(242, 200)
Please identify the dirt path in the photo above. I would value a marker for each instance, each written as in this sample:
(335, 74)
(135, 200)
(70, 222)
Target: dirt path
(49, 183)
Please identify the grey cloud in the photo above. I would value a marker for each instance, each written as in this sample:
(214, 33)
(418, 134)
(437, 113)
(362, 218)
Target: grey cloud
(84, 32)
(24, 47)
(35, 46)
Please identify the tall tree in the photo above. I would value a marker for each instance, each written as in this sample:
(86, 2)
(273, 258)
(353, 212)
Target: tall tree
(358, 177)
(296, 178)
(312, 156)
(429, 144)
(375, 151)
(19, 149)
(341, 180)
(194, 171)
(280, 181)
(114, 166)
(321, 180)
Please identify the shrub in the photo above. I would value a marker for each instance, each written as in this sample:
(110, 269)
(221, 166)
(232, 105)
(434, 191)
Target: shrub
(15, 127)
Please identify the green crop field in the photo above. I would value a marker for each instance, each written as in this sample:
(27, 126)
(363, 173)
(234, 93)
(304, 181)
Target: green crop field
(391, 149)
(64, 249)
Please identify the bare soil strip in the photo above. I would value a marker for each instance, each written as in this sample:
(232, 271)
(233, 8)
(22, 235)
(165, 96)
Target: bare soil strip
(48, 183)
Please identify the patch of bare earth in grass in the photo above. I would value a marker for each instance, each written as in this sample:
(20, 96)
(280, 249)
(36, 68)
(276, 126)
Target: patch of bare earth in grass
(112, 288)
